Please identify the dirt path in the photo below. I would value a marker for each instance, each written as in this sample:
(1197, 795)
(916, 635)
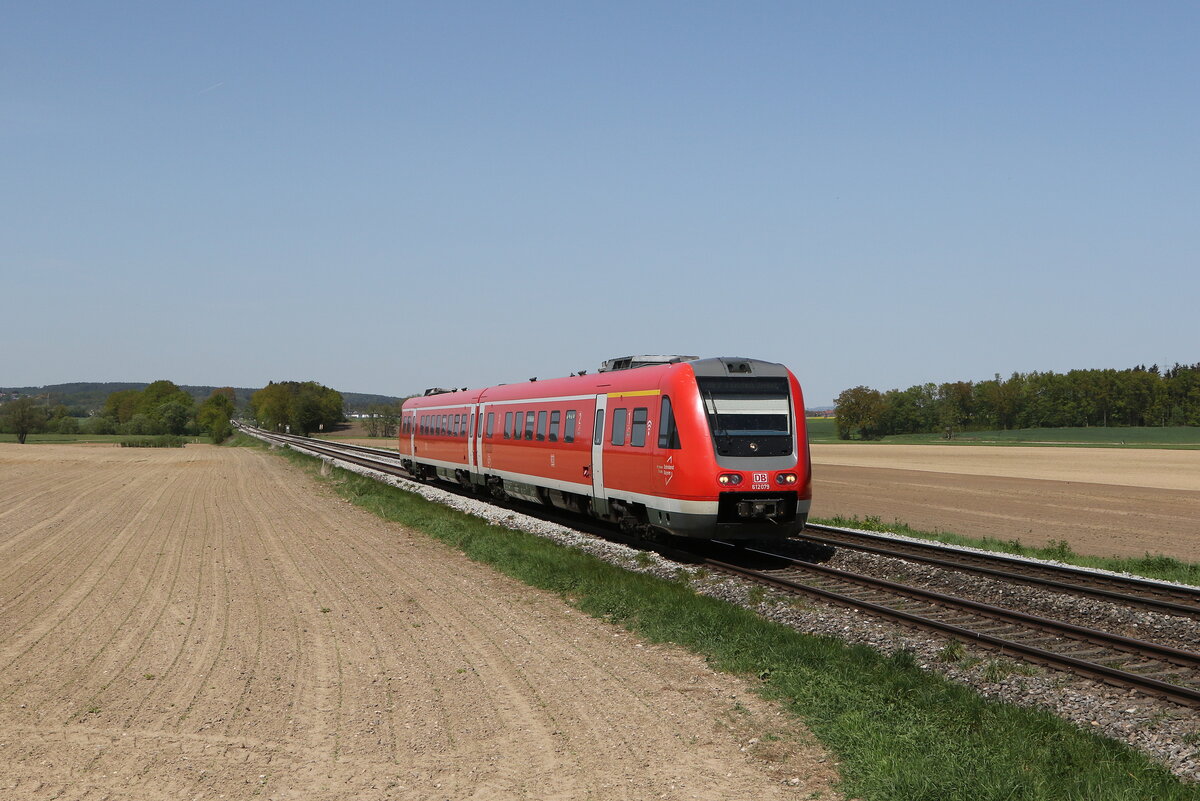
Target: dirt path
(1107, 502)
(207, 623)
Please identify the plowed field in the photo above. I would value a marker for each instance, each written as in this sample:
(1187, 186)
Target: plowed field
(1103, 501)
(208, 622)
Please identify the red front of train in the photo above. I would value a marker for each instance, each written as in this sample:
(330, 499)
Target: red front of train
(693, 447)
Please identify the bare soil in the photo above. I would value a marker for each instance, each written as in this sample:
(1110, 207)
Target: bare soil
(1103, 501)
(211, 623)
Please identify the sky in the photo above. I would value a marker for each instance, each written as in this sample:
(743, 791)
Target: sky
(384, 197)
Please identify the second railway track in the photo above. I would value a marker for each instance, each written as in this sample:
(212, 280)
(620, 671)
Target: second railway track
(1125, 590)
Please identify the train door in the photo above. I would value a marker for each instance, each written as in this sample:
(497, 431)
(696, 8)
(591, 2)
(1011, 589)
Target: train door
(598, 492)
(471, 438)
(412, 434)
(485, 442)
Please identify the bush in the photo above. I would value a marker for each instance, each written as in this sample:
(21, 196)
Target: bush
(163, 441)
(99, 425)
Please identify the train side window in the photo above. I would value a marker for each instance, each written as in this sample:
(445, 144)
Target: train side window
(637, 435)
(491, 422)
(445, 424)
(569, 428)
(529, 420)
(541, 426)
(599, 432)
(508, 425)
(555, 417)
(618, 426)
(455, 424)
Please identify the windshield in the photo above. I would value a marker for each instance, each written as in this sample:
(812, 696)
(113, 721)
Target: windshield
(748, 416)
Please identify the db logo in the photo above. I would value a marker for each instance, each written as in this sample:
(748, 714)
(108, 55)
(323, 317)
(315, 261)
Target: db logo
(760, 478)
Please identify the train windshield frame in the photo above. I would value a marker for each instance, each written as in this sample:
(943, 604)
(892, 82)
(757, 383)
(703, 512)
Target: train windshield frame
(748, 416)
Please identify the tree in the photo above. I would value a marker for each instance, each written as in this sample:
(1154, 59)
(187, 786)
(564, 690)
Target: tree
(860, 408)
(304, 407)
(215, 412)
(24, 417)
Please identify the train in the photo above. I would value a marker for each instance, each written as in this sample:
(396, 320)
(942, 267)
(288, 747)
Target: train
(658, 445)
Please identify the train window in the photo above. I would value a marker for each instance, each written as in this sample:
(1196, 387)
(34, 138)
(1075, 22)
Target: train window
(541, 426)
(637, 435)
(554, 420)
(569, 429)
(618, 426)
(455, 424)
(668, 434)
(508, 425)
(599, 435)
(491, 422)
(528, 425)
(445, 424)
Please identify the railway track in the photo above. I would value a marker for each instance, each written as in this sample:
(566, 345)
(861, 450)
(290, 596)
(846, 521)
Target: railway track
(1149, 667)
(1126, 590)
(1121, 661)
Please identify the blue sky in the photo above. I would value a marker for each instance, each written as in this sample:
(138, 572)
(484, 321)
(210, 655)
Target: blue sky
(384, 197)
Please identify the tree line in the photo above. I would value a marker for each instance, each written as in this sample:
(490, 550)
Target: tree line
(1139, 396)
(160, 408)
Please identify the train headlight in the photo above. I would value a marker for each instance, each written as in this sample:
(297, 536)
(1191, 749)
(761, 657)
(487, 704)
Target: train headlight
(729, 479)
(785, 478)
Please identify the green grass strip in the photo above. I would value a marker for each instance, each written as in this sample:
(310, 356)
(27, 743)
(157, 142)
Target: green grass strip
(1155, 566)
(901, 734)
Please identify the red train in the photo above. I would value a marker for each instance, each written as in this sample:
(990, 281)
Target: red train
(691, 447)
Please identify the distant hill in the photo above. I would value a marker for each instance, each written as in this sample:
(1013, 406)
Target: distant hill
(90, 396)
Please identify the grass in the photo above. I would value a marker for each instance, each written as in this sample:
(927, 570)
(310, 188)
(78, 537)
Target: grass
(823, 430)
(1155, 566)
(900, 733)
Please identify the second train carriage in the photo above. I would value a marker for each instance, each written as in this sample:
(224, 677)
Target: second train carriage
(693, 447)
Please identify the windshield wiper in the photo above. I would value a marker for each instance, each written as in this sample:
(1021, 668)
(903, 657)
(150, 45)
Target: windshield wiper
(715, 424)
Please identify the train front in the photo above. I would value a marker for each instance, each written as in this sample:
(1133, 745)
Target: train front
(757, 464)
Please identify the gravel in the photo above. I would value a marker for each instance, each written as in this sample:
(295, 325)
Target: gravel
(1165, 731)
